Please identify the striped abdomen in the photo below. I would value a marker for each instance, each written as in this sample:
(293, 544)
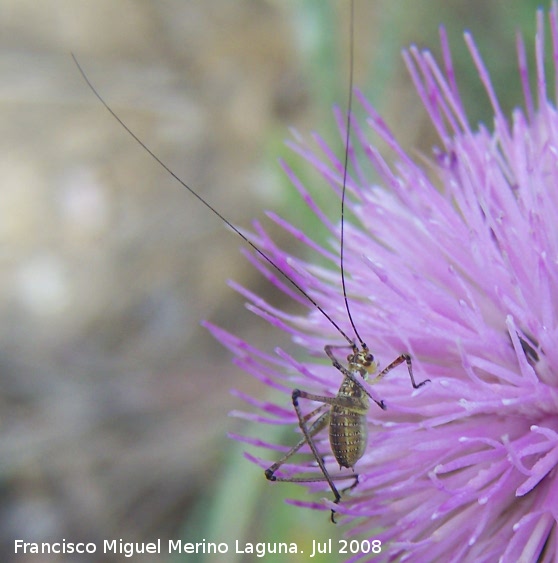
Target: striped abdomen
(348, 435)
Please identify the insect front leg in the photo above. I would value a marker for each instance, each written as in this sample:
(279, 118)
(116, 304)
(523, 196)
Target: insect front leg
(397, 362)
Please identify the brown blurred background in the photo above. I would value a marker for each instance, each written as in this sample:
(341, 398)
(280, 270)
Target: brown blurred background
(113, 399)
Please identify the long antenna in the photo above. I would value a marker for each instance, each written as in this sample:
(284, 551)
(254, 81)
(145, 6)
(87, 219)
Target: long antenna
(210, 207)
(345, 167)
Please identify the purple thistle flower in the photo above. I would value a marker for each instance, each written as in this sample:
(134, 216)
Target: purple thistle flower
(456, 263)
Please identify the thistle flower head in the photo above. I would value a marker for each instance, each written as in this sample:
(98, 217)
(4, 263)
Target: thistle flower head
(454, 261)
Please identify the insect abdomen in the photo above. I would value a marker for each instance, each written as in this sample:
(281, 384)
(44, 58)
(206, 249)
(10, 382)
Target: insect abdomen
(348, 436)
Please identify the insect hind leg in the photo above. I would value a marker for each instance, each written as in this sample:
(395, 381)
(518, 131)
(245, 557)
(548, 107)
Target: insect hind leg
(318, 425)
(308, 434)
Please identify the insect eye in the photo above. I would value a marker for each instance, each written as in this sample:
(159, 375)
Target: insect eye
(369, 358)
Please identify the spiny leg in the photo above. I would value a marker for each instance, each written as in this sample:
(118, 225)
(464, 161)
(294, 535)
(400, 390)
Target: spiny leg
(297, 393)
(318, 425)
(309, 433)
(397, 362)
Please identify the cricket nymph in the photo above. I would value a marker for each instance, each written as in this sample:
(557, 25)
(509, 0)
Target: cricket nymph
(348, 432)
(345, 418)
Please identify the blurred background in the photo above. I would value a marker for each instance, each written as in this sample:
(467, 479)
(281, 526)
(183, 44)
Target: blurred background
(114, 400)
